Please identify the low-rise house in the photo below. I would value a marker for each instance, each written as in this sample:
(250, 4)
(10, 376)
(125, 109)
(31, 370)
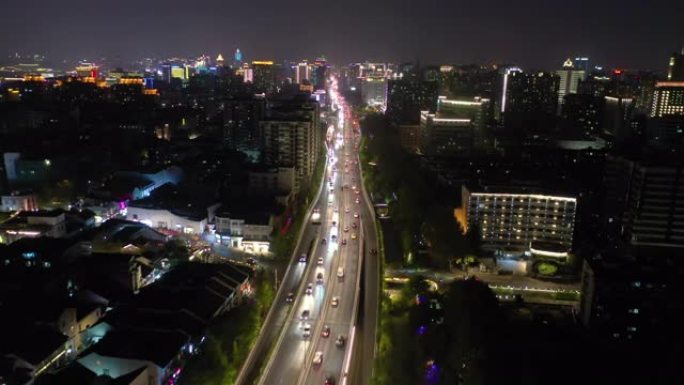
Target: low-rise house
(19, 201)
(120, 353)
(247, 229)
(33, 224)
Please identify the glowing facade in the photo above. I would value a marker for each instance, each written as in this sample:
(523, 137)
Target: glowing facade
(668, 99)
(509, 220)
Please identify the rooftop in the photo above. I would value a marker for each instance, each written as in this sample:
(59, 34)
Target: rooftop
(159, 347)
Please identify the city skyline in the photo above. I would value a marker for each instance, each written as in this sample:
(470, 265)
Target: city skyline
(531, 34)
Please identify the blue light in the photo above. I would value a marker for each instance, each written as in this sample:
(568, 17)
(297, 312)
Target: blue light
(29, 255)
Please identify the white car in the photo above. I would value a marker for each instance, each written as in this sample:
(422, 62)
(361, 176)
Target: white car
(356, 215)
(309, 289)
(335, 302)
(307, 330)
(320, 260)
(318, 358)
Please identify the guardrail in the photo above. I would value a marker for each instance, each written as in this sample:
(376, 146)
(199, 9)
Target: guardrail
(377, 247)
(357, 299)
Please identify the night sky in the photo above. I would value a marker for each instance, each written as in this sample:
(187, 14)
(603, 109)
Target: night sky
(532, 33)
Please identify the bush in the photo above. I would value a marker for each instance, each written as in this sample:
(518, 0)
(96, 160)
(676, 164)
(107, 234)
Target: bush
(547, 268)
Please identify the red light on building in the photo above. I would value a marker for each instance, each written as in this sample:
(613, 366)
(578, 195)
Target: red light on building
(617, 72)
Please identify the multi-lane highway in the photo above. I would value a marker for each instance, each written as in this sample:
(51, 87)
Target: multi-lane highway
(314, 320)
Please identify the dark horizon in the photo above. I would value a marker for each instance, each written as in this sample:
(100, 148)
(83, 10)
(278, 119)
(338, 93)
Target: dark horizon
(531, 33)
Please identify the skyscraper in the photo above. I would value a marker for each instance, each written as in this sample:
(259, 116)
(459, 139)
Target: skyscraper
(531, 101)
(582, 63)
(320, 68)
(264, 77)
(291, 136)
(374, 91)
(570, 77)
(408, 96)
(303, 72)
(675, 71)
(504, 89)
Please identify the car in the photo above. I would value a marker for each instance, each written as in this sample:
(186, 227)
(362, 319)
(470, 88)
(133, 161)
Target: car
(346, 229)
(309, 288)
(356, 215)
(330, 380)
(290, 297)
(302, 258)
(374, 252)
(339, 342)
(353, 235)
(319, 277)
(358, 201)
(318, 358)
(340, 272)
(326, 331)
(353, 225)
(305, 314)
(333, 237)
(323, 241)
(335, 302)
(306, 333)
(251, 261)
(334, 223)
(320, 260)
(344, 241)
(346, 209)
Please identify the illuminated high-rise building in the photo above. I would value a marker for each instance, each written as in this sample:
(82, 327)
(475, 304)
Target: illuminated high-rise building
(456, 128)
(291, 136)
(582, 63)
(319, 75)
(570, 77)
(264, 76)
(219, 61)
(303, 72)
(504, 91)
(238, 56)
(374, 91)
(675, 69)
(668, 99)
(531, 101)
(511, 218)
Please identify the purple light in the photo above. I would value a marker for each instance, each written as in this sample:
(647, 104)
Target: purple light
(421, 330)
(122, 205)
(431, 373)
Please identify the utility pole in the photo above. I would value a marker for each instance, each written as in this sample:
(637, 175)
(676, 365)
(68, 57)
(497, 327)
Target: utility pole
(276, 279)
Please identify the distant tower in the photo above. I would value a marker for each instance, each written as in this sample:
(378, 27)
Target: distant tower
(569, 79)
(219, 61)
(675, 71)
(238, 56)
